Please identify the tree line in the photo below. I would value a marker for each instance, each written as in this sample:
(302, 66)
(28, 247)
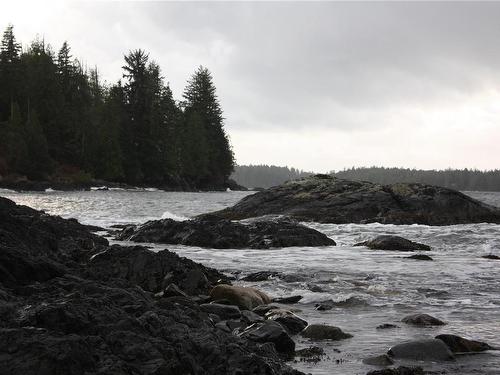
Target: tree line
(458, 179)
(265, 176)
(59, 120)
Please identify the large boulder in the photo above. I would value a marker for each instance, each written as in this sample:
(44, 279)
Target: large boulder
(214, 233)
(386, 242)
(327, 199)
(269, 331)
(324, 332)
(422, 350)
(245, 298)
(287, 319)
(459, 344)
(422, 320)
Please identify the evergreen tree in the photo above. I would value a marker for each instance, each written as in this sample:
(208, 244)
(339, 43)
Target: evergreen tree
(9, 72)
(201, 98)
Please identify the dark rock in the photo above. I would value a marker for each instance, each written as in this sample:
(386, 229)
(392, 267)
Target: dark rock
(173, 290)
(397, 243)
(379, 360)
(491, 256)
(260, 276)
(387, 326)
(422, 350)
(263, 309)
(152, 271)
(250, 317)
(315, 288)
(312, 351)
(225, 234)
(459, 344)
(419, 257)
(288, 300)
(422, 320)
(324, 332)
(402, 370)
(327, 199)
(71, 304)
(245, 298)
(269, 331)
(224, 311)
(324, 306)
(287, 319)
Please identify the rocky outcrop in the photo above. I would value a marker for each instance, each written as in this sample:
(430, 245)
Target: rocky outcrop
(71, 304)
(401, 370)
(396, 243)
(224, 234)
(327, 199)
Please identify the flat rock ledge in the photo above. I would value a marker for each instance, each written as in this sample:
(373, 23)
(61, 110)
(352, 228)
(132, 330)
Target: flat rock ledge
(215, 233)
(326, 199)
(72, 304)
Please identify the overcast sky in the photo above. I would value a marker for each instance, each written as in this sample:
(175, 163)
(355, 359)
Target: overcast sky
(317, 86)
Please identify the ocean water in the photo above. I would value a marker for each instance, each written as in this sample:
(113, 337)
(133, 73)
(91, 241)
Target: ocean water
(368, 287)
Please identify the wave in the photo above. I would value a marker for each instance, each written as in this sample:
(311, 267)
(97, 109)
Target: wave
(171, 215)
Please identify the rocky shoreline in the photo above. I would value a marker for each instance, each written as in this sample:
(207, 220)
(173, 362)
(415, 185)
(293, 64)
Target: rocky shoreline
(72, 303)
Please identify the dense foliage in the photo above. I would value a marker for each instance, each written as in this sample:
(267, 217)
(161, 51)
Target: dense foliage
(459, 179)
(265, 176)
(59, 121)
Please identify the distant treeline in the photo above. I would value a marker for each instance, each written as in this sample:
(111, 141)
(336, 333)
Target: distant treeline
(58, 120)
(458, 179)
(265, 176)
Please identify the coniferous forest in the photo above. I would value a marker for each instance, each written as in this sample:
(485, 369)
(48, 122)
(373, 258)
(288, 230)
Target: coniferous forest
(58, 121)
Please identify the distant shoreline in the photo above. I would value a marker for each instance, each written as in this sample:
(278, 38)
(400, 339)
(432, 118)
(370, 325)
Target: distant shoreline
(40, 186)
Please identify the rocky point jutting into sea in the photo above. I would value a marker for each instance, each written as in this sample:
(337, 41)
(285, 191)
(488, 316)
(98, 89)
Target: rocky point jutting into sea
(327, 199)
(71, 302)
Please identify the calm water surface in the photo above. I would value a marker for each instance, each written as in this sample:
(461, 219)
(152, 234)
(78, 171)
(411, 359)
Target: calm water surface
(369, 287)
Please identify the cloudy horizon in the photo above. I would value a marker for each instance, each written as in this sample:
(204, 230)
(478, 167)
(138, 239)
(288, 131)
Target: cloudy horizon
(316, 86)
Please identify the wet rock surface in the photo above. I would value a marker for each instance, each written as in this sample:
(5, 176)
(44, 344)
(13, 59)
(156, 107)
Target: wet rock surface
(327, 199)
(324, 332)
(72, 304)
(395, 243)
(212, 232)
(420, 257)
(422, 320)
(401, 370)
(422, 350)
(459, 344)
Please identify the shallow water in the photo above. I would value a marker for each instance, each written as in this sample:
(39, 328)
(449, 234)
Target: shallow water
(370, 287)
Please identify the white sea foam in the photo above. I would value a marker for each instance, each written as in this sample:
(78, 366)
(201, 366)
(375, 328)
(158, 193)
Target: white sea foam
(171, 215)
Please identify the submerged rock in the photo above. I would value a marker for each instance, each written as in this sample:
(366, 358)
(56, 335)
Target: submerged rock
(244, 297)
(224, 234)
(260, 276)
(422, 320)
(491, 256)
(397, 243)
(379, 360)
(422, 350)
(419, 257)
(387, 326)
(324, 332)
(327, 199)
(401, 370)
(459, 344)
